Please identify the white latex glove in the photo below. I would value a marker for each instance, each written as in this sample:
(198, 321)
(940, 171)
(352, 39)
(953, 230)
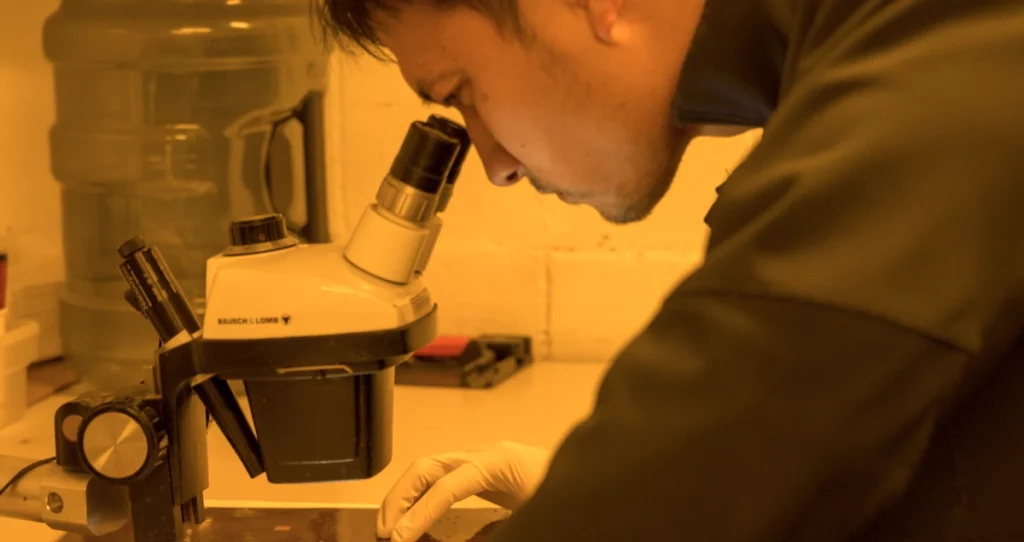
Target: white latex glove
(506, 474)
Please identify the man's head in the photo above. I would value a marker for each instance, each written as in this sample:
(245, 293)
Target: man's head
(574, 95)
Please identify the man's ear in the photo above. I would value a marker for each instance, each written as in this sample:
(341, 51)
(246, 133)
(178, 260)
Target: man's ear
(603, 16)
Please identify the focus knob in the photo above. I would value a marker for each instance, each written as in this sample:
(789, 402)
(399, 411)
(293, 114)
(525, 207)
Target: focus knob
(121, 442)
(260, 233)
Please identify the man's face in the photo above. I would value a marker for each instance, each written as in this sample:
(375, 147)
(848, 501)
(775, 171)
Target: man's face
(580, 106)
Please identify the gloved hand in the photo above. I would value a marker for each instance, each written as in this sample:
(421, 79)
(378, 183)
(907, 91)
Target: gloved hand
(506, 474)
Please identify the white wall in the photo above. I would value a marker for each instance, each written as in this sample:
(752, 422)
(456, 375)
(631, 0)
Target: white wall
(29, 197)
(579, 286)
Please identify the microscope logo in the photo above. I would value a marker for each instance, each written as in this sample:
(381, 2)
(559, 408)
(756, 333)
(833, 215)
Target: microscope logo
(257, 320)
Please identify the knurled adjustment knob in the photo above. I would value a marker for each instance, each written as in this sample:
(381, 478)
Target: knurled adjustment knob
(120, 442)
(259, 233)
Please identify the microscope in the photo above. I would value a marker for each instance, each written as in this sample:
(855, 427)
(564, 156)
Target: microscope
(313, 331)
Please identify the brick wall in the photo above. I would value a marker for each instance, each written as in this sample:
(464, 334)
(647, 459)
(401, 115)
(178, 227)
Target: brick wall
(509, 260)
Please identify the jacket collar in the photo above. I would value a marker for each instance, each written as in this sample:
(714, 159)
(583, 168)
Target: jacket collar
(733, 72)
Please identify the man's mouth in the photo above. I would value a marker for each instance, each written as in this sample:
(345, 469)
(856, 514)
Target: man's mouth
(566, 197)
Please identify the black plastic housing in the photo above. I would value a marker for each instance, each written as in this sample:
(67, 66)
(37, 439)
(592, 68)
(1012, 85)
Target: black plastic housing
(321, 427)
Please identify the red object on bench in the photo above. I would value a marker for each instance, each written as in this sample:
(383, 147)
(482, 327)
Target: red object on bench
(445, 346)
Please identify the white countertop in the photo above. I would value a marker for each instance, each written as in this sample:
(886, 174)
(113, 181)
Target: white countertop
(537, 406)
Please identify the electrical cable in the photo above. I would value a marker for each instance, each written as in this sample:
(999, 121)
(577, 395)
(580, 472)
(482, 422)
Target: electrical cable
(21, 474)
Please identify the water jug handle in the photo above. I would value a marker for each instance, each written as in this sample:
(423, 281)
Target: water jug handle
(310, 114)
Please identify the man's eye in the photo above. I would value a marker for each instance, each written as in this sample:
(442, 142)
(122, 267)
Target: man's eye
(453, 98)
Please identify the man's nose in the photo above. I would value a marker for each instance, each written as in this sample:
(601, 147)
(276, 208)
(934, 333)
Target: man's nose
(501, 167)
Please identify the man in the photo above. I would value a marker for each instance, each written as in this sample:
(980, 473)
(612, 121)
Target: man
(848, 363)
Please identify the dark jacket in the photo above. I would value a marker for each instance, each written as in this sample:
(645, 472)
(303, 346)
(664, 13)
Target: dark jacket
(848, 363)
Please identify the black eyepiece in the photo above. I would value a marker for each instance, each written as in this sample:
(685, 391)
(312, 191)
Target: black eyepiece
(457, 132)
(425, 158)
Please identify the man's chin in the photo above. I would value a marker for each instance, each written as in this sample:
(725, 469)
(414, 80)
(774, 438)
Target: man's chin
(622, 215)
(640, 206)
(619, 210)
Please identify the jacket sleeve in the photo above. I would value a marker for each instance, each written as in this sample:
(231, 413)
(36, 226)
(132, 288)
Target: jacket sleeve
(864, 270)
(738, 418)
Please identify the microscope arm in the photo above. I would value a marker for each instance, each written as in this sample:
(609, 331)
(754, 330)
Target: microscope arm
(137, 456)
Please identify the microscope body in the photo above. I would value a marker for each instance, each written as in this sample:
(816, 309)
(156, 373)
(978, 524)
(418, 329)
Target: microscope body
(315, 340)
(313, 331)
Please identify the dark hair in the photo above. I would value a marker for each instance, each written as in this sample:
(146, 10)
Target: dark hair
(349, 23)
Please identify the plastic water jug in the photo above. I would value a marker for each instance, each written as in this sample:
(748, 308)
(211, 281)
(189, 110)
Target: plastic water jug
(173, 118)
